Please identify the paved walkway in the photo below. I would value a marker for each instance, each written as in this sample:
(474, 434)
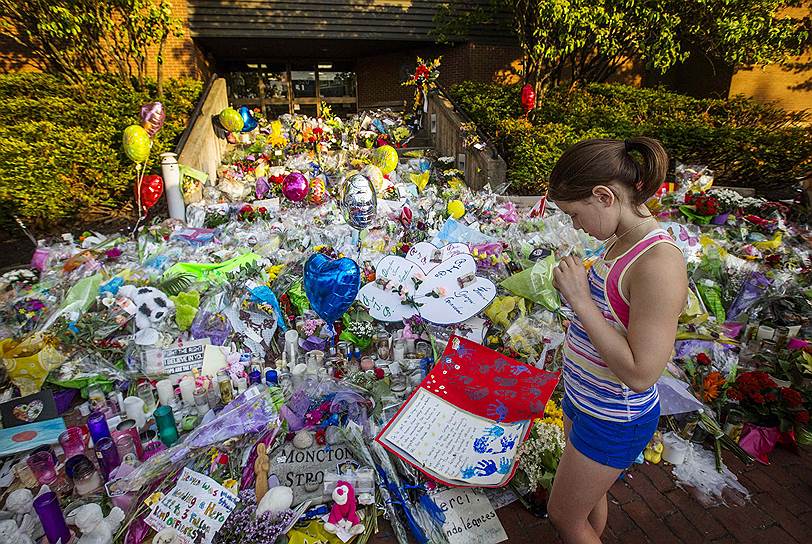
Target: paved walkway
(648, 507)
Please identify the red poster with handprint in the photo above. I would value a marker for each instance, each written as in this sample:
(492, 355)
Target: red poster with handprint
(464, 424)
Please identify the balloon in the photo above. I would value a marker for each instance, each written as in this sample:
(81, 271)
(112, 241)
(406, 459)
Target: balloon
(295, 186)
(152, 187)
(331, 285)
(385, 158)
(231, 120)
(152, 117)
(136, 143)
(248, 121)
(318, 191)
(359, 202)
(528, 98)
(374, 175)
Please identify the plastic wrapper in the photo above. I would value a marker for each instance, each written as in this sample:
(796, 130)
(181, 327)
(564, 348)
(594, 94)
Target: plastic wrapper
(536, 284)
(711, 294)
(83, 369)
(753, 288)
(695, 312)
(28, 361)
(698, 472)
(535, 339)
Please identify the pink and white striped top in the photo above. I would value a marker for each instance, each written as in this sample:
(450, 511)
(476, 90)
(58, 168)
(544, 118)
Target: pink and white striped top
(591, 386)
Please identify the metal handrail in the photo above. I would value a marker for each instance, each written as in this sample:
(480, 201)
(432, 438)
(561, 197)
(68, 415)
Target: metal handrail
(197, 112)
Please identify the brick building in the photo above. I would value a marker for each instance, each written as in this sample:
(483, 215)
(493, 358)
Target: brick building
(286, 55)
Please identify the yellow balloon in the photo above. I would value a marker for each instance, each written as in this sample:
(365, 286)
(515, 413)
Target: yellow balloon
(456, 209)
(386, 158)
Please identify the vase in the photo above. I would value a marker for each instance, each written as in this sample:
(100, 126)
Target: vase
(538, 502)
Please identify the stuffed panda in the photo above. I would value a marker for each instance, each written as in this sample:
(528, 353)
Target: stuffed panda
(152, 305)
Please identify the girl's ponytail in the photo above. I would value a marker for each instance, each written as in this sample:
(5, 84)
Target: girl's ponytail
(652, 172)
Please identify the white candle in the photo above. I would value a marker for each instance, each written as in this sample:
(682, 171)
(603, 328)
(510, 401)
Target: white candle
(166, 393)
(187, 391)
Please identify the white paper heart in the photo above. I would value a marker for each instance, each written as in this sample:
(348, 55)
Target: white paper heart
(428, 256)
(449, 293)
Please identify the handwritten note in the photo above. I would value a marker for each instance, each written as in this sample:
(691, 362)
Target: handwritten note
(469, 517)
(447, 292)
(452, 443)
(196, 508)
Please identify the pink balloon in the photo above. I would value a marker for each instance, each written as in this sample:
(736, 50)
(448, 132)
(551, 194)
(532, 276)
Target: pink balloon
(295, 186)
(152, 117)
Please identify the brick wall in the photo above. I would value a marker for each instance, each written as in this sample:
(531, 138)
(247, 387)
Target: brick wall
(379, 76)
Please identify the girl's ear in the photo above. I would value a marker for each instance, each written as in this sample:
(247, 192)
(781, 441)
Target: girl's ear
(604, 195)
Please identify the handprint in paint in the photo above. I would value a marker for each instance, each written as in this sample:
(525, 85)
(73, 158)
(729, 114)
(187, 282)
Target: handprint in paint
(518, 370)
(505, 382)
(467, 472)
(486, 467)
(504, 465)
(497, 410)
(500, 364)
(476, 393)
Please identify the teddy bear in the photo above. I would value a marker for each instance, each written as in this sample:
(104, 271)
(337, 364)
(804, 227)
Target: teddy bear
(152, 308)
(343, 514)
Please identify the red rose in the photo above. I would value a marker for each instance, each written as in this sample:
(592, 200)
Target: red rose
(246, 209)
(321, 437)
(771, 397)
(703, 359)
(262, 211)
(378, 373)
(733, 394)
(791, 397)
(802, 417)
(758, 398)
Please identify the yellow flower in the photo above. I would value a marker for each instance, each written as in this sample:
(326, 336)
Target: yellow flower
(274, 271)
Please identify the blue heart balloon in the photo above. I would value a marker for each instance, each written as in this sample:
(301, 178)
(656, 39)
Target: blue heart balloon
(331, 285)
(248, 121)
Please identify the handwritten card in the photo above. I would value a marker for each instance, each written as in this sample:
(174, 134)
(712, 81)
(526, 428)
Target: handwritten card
(455, 445)
(196, 508)
(441, 282)
(469, 517)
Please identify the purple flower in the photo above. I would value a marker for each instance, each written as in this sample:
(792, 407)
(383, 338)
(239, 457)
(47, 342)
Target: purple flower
(113, 254)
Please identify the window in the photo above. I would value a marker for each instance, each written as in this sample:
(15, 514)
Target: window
(300, 88)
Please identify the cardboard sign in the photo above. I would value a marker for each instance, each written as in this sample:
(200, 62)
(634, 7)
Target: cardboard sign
(303, 469)
(176, 360)
(469, 517)
(441, 282)
(196, 508)
(29, 409)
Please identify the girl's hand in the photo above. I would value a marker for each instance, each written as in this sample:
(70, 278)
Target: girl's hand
(569, 277)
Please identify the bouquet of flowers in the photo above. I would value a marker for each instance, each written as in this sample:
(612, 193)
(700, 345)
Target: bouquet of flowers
(767, 404)
(540, 454)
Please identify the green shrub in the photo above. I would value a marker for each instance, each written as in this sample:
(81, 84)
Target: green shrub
(746, 143)
(60, 145)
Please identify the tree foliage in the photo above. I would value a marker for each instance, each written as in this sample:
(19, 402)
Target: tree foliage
(568, 41)
(72, 38)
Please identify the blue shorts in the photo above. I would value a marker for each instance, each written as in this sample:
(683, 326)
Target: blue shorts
(610, 443)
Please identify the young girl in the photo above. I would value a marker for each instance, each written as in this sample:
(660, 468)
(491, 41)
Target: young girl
(626, 312)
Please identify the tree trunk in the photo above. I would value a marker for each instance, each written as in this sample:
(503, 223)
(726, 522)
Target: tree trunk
(159, 70)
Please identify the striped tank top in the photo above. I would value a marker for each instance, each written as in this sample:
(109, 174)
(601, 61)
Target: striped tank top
(588, 382)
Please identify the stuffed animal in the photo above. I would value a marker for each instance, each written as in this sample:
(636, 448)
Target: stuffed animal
(153, 307)
(343, 515)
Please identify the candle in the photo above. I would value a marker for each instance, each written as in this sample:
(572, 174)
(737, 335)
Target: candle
(72, 442)
(135, 411)
(97, 425)
(144, 391)
(201, 401)
(86, 479)
(53, 521)
(166, 393)
(399, 350)
(187, 391)
(130, 427)
(42, 465)
(167, 428)
(108, 457)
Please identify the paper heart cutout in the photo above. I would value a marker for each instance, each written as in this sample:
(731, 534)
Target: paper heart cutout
(428, 256)
(331, 285)
(28, 412)
(449, 293)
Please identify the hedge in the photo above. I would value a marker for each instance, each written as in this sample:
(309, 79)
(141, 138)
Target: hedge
(61, 160)
(746, 143)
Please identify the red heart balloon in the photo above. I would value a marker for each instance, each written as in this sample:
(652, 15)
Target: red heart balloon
(152, 187)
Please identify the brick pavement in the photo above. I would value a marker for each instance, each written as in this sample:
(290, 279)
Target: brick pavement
(647, 506)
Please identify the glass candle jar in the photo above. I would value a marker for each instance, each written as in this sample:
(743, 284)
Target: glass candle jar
(126, 449)
(53, 521)
(96, 398)
(225, 387)
(201, 401)
(43, 467)
(145, 393)
(72, 442)
(130, 427)
(107, 454)
(167, 428)
(187, 391)
(255, 376)
(367, 363)
(380, 342)
(97, 426)
(86, 479)
(314, 360)
(166, 392)
(398, 350)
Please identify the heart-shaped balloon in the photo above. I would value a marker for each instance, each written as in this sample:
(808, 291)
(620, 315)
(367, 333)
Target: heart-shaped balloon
(331, 285)
(248, 121)
(152, 187)
(153, 117)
